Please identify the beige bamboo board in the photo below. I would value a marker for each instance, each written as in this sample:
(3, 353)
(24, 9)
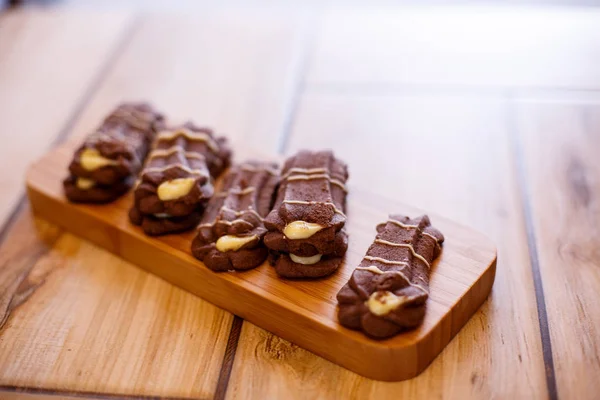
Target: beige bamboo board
(301, 311)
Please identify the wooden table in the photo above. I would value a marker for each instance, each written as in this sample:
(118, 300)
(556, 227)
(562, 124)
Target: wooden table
(488, 115)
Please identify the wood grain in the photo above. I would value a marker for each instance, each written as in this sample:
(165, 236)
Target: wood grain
(38, 96)
(465, 47)
(301, 311)
(95, 315)
(449, 155)
(16, 262)
(560, 147)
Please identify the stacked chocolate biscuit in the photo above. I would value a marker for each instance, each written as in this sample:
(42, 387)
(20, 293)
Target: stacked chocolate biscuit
(388, 290)
(104, 167)
(230, 236)
(177, 180)
(305, 227)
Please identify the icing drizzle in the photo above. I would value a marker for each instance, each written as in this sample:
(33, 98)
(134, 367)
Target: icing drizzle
(384, 261)
(189, 135)
(177, 165)
(238, 213)
(408, 246)
(337, 210)
(376, 270)
(304, 177)
(400, 224)
(163, 153)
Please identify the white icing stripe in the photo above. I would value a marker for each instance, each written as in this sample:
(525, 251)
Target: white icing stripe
(238, 213)
(304, 171)
(376, 270)
(193, 136)
(384, 261)
(319, 176)
(315, 202)
(229, 223)
(400, 224)
(408, 246)
(180, 166)
(430, 235)
(159, 153)
(235, 221)
(238, 192)
(393, 221)
(338, 183)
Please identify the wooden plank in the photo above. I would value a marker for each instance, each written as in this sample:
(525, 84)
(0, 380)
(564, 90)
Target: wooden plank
(234, 71)
(209, 68)
(42, 82)
(99, 324)
(560, 150)
(456, 46)
(300, 310)
(448, 155)
(18, 395)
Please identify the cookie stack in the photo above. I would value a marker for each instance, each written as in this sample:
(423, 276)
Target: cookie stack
(177, 180)
(306, 235)
(104, 167)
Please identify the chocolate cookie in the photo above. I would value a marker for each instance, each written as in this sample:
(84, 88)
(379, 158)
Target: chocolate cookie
(388, 291)
(286, 267)
(305, 226)
(177, 175)
(230, 235)
(155, 225)
(104, 166)
(81, 190)
(117, 149)
(176, 182)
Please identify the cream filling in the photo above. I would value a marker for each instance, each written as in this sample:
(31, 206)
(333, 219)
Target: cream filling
(232, 243)
(383, 302)
(162, 215)
(306, 260)
(85, 184)
(301, 229)
(91, 159)
(174, 189)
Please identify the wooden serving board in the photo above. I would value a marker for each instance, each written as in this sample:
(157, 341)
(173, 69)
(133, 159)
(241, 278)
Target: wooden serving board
(303, 312)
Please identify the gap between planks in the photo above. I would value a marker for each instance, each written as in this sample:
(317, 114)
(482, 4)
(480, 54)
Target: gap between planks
(40, 393)
(306, 54)
(533, 251)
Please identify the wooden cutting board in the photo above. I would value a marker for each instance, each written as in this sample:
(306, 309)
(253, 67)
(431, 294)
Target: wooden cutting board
(303, 312)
